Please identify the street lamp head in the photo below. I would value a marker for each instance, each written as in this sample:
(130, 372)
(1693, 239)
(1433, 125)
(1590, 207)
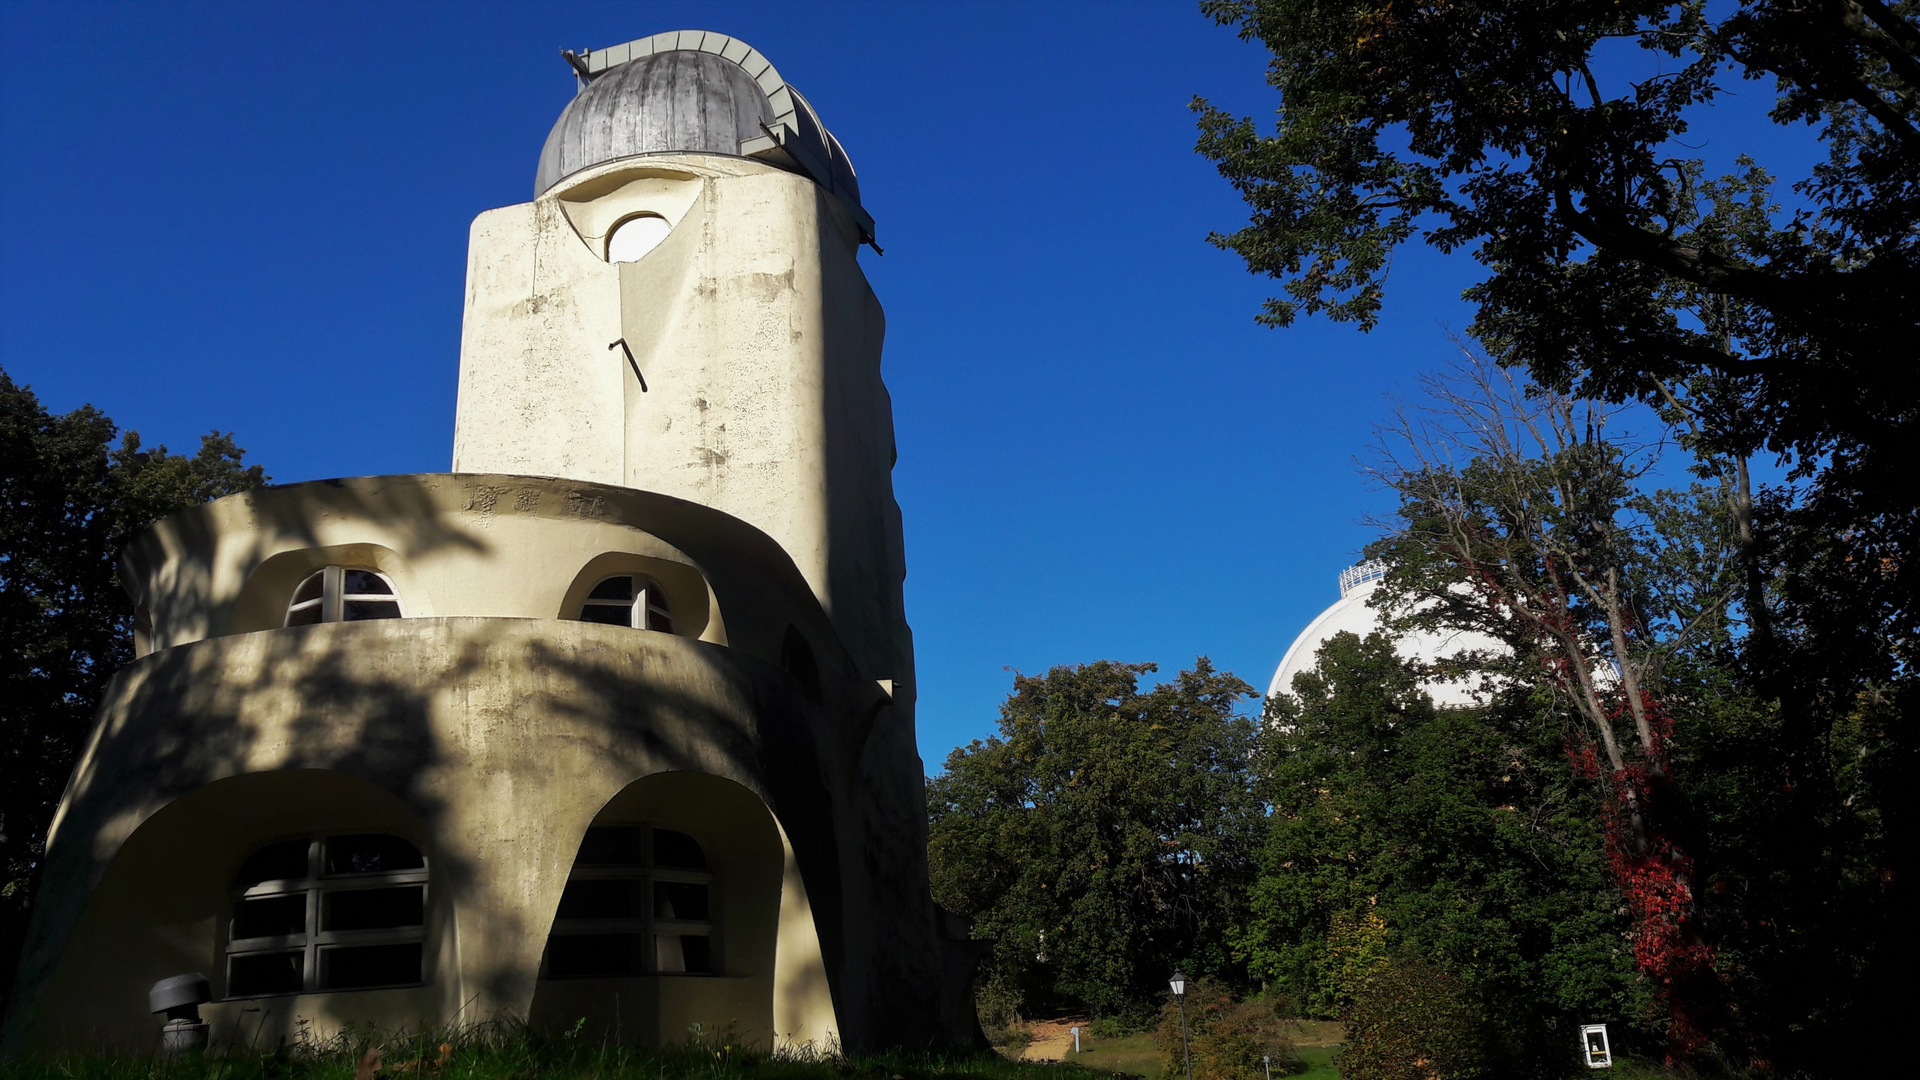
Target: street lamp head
(1179, 984)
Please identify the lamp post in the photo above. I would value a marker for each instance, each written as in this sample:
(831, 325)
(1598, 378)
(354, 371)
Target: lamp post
(1179, 983)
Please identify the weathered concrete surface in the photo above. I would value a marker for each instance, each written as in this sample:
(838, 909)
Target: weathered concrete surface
(493, 744)
(491, 732)
(759, 339)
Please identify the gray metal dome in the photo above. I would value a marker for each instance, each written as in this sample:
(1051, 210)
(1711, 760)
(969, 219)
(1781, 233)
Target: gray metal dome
(692, 91)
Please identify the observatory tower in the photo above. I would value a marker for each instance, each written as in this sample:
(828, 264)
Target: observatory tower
(615, 720)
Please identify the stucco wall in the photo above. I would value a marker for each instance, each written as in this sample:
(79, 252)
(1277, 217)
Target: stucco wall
(759, 340)
(493, 732)
(493, 744)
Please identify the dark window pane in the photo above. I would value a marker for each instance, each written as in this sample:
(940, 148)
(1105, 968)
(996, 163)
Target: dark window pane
(590, 956)
(610, 845)
(600, 900)
(374, 909)
(310, 588)
(368, 853)
(304, 617)
(356, 610)
(264, 973)
(659, 620)
(608, 614)
(365, 582)
(677, 849)
(697, 952)
(352, 967)
(286, 859)
(614, 588)
(675, 900)
(270, 916)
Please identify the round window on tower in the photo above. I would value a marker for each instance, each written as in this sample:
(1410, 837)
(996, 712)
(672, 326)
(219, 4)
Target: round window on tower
(634, 237)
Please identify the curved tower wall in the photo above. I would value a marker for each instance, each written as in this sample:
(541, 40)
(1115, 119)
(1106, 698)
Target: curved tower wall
(758, 339)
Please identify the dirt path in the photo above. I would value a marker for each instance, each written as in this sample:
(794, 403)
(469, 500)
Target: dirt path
(1052, 1039)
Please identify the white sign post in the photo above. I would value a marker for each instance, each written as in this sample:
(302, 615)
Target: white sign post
(1594, 1048)
(1076, 1039)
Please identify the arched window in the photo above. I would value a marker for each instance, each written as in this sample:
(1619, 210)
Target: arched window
(327, 913)
(343, 594)
(633, 238)
(638, 902)
(628, 600)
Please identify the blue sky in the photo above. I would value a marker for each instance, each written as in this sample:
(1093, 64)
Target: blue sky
(254, 218)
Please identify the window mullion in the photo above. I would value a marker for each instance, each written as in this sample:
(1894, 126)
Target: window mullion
(330, 599)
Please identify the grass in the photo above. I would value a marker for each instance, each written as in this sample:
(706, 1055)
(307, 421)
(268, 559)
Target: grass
(496, 1052)
(515, 1055)
(1319, 1061)
(1137, 1055)
(1133, 1054)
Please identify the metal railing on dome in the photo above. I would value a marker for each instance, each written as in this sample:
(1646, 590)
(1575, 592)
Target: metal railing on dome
(1355, 576)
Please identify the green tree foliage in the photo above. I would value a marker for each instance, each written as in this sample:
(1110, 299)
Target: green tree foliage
(69, 498)
(1513, 130)
(1551, 141)
(1228, 1039)
(1755, 873)
(1461, 840)
(1104, 837)
(1413, 1021)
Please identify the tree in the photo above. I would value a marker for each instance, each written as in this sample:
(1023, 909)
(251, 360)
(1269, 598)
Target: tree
(1413, 1022)
(1763, 916)
(1505, 129)
(1104, 837)
(1615, 270)
(68, 500)
(1224, 1039)
(1404, 837)
(1758, 318)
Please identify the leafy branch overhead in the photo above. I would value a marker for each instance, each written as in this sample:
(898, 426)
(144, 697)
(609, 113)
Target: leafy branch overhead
(1513, 132)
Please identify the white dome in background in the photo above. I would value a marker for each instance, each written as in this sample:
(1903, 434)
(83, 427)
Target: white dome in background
(1352, 614)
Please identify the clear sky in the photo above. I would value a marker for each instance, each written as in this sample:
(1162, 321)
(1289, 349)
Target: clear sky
(253, 217)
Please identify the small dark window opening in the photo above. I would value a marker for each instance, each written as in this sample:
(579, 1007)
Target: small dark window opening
(343, 594)
(328, 913)
(796, 659)
(638, 902)
(629, 600)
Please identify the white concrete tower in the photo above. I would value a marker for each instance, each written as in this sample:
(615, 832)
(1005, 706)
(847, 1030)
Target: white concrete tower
(680, 309)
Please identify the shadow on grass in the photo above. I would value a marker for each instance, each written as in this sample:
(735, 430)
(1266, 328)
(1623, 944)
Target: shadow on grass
(499, 1051)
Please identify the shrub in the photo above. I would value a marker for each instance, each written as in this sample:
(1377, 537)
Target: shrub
(1228, 1038)
(1109, 1027)
(996, 1002)
(1412, 1021)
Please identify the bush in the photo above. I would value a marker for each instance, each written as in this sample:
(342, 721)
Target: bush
(1412, 1021)
(1228, 1038)
(1013, 1038)
(996, 1002)
(1109, 1027)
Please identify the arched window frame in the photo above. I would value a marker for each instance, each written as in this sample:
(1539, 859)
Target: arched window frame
(627, 910)
(343, 594)
(308, 915)
(644, 605)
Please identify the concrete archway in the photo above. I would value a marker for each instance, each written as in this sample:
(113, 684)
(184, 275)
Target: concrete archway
(161, 906)
(765, 983)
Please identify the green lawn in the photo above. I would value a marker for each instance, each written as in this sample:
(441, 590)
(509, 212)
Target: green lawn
(1319, 1061)
(1134, 1054)
(1137, 1056)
